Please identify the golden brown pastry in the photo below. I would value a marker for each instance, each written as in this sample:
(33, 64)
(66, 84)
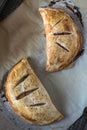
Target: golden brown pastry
(64, 40)
(28, 97)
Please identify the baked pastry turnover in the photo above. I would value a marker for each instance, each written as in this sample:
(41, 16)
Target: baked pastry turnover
(28, 97)
(64, 40)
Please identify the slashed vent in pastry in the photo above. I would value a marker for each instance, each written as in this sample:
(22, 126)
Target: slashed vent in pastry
(28, 97)
(64, 40)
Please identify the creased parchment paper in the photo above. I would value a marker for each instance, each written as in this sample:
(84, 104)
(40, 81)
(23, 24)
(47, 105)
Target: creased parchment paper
(22, 35)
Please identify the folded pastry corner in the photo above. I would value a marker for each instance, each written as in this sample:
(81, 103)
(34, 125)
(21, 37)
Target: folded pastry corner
(28, 97)
(63, 37)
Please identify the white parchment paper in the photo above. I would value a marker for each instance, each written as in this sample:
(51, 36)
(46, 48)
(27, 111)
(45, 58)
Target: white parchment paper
(22, 35)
